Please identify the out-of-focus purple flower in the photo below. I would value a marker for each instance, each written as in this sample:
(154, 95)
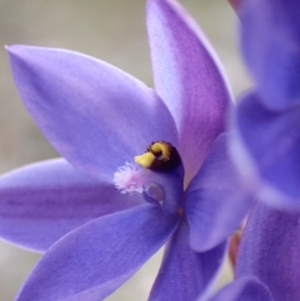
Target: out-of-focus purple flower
(269, 251)
(183, 189)
(266, 144)
(268, 265)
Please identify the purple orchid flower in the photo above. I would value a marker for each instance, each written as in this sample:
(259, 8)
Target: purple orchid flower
(142, 168)
(266, 144)
(268, 265)
(266, 148)
(269, 251)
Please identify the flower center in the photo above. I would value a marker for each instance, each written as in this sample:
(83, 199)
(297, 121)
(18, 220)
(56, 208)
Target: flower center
(159, 156)
(131, 178)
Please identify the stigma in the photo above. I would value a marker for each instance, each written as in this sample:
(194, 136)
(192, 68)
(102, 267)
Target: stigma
(129, 179)
(140, 177)
(159, 156)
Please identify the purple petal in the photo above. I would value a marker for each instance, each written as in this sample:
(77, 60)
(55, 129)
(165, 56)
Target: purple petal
(243, 289)
(266, 148)
(91, 262)
(269, 250)
(43, 201)
(184, 274)
(187, 76)
(216, 202)
(270, 41)
(95, 115)
(170, 184)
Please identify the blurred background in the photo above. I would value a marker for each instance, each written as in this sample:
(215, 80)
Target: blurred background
(114, 31)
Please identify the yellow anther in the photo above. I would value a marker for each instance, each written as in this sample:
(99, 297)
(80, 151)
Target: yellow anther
(160, 156)
(161, 149)
(146, 160)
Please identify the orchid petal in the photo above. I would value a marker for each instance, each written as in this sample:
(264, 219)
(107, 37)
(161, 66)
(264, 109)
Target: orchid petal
(269, 250)
(43, 201)
(187, 76)
(184, 274)
(270, 36)
(266, 148)
(216, 202)
(94, 260)
(171, 185)
(243, 289)
(95, 115)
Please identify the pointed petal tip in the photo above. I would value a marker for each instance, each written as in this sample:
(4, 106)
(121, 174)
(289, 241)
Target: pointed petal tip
(186, 18)
(9, 49)
(13, 48)
(17, 50)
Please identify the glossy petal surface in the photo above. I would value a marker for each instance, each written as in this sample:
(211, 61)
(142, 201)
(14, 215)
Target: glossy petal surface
(266, 147)
(187, 77)
(216, 202)
(270, 36)
(243, 289)
(269, 250)
(95, 115)
(41, 202)
(91, 262)
(184, 274)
